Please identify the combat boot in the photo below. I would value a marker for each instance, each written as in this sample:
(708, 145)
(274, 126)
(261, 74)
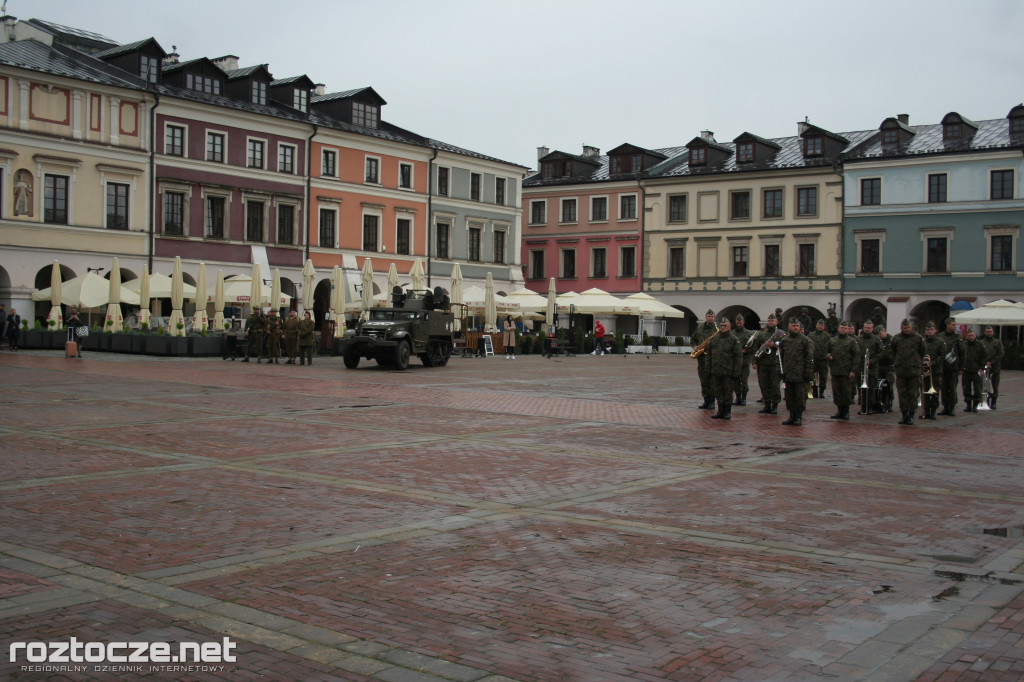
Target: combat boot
(766, 409)
(903, 417)
(774, 408)
(246, 360)
(792, 419)
(846, 414)
(910, 418)
(838, 414)
(708, 404)
(798, 418)
(743, 400)
(720, 413)
(992, 402)
(727, 415)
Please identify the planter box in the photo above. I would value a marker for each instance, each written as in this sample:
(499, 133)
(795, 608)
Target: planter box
(167, 345)
(137, 343)
(206, 345)
(120, 342)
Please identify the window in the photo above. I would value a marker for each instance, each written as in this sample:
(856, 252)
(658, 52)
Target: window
(174, 213)
(698, 156)
(537, 265)
(372, 170)
(174, 140)
(1002, 184)
(598, 209)
(328, 227)
(677, 261)
(285, 224)
(952, 131)
(371, 230)
(55, 199)
(568, 211)
(499, 246)
(937, 255)
(442, 181)
(202, 83)
(300, 100)
(772, 262)
(745, 152)
(937, 188)
(149, 68)
(627, 207)
(254, 156)
(805, 260)
(568, 264)
(890, 137)
(599, 262)
(499, 191)
(117, 205)
(740, 206)
(215, 217)
(773, 203)
(616, 165)
(365, 114)
(474, 243)
(1017, 125)
(627, 261)
(538, 212)
(405, 175)
(677, 208)
(444, 233)
(285, 158)
(870, 256)
(215, 147)
(814, 145)
(259, 92)
(254, 221)
(474, 186)
(1001, 253)
(871, 191)
(403, 237)
(740, 258)
(807, 201)
(329, 163)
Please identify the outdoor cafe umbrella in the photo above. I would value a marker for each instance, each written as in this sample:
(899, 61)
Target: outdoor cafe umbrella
(367, 293)
(55, 312)
(338, 303)
(90, 291)
(238, 289)
(256, 287)
(200, 320)
(490, 306)
(419, 278)
(115, 320)
(177, 299)
(144, 313)
(218, 302)
(308, 284)
(598, 302)
(275, 289)
(1001, 312)
(457, 296)
(531, 304)
(392, 283)
(645, 304)
(159, 287)
(549, 315)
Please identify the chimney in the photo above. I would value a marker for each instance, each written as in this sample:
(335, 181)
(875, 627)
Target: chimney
(228, 62)
(319, 89)
(903, 118)
(801, 126)
(707, 136)
(542, 152)
(173, 57)
(591, 152)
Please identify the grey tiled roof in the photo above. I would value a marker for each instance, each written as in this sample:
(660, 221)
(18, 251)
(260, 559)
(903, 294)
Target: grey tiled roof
(445, 147)
(65, 62)
(927, 139)
(125, 49)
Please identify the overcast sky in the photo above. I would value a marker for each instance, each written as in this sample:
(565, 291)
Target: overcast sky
(503, 78)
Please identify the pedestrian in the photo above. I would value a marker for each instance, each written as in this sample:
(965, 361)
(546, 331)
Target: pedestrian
(746, 339)
(273, 330)
(306, 339)
(255, 326)
(931, 377)
(598, 338)
(993, 362)
(974, 364)
(797, 363)
(952, 367)
(3, 324)
(725, 358)
(871, 349)
(703, 333)
(820, 338)
(74, 322)
(291, 336)
(766, 364)
(509, 337)
(844, 359)
(908, 353)
(13, 322)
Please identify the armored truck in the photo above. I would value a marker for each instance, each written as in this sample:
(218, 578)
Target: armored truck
(418, 323)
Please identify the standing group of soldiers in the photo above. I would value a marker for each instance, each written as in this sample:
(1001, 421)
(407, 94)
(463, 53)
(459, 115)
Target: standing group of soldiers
(263, 334)
(865, 368)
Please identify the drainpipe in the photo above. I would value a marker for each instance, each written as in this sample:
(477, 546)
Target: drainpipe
(152, 182)
(842, 243)
(430, 213)
(643, 225)
(309, 177)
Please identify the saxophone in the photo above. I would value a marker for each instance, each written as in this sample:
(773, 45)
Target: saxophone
(703, 347)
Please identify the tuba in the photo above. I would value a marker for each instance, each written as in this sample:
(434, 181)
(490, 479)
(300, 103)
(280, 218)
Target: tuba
(703, 347)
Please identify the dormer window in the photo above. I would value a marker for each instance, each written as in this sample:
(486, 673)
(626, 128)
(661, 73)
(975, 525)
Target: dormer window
(616, 165)
(300, 100)
(952, 131)
(149, 68)
(259, 92)
(698, 156)
(890, 136)
(1017, 126)
(202, 84)
(814, 145)
(365, 115)
(745, 152)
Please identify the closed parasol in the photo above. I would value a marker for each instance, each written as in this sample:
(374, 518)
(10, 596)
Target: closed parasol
(177, 300)
(218, 302)
(457, 296)
(144, 313)
(55, 312)
(367, 293)
(392, 283)
(419, 277)
(115, 320)
(308, 284)
(338, 294)
(200, 320)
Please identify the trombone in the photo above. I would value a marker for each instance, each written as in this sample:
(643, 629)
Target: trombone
(814, 382)
(986, 389)
(926, 373)
(864, 385)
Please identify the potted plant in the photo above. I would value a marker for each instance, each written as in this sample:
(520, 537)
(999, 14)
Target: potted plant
(203, 344)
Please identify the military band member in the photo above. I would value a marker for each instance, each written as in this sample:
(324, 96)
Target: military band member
(703, 333)
(878, 317)
(844, 358)
(724, 361)
(291, 336)
(745, 337)
(885, 373)
(951, 370)
(934, 349)
(306, 327)
(805, 321)
(255, 326)
(832, 323)
(994, 361)
(767, 367)
(908, 354)
(974, 363)
(871, 349)
(273, 330)
(820, 338)
(797, 359)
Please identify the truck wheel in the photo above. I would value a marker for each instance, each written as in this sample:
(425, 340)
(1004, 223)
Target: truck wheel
(402, 356)
(350, 357)
(440, 352)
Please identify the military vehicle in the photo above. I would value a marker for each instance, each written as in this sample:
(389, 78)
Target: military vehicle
(418, 323)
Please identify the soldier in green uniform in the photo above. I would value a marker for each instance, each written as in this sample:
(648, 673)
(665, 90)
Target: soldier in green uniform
(994, 361)
(886, 375)
(703, 333)
(806, 322)
(797, 361)
(745, 337)
(934, 349)
(974, 363)
(273, 329)
(291, 336)
(255, 326)
(725, 358)
(820, 338)
(306, 339)
(767, 367)
(832, 323)
(871, 349)
(908, 353)
(878, 317)
(952, 366)
(844, 359)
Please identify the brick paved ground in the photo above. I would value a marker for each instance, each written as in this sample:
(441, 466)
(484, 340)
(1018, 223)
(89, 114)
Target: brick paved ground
(564, 519)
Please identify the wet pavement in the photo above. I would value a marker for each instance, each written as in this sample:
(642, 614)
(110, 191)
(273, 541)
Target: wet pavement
(563, 519)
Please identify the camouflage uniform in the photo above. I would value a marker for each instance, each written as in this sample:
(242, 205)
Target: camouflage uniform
(951, 371)
(724, 359)
(871, 348)
(908, 353)
(994, 356)
(306, 327)
(820, 338)
(797, 361)
(934, 349)
(255, 326)
(845, 357)
(273, 328)
(747, 352)
(974, 362)
(704, 331)
(832, 323)
(885, 372)
(768, 370)
(291, 336)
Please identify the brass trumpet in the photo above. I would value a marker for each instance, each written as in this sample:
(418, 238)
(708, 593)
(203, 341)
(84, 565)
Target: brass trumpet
(927, 366)
(703, 347)
(986, 381)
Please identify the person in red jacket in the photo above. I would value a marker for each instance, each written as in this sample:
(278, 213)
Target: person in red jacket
(598, 338)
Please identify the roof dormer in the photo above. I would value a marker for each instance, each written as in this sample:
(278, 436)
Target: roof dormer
(201, 75)
(751, 149)
(1016, 119)
(895, 133)
(292, 92)
(250, 84)
(818, 143)
(705, 152)
(359, 107)
(628, 159)
(561, 165)
(142, 58)
(956, 129)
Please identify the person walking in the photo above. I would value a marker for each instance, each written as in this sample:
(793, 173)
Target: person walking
(73, 322)
(871, 349)
(844, 359)
(934, 350)
(746, 339)
(273, 331)
(306, 327)
(974, 363)
(767, 366)
(908, 351)
(725, 358)
(13, 323)
(797, 361)
(598, 338)
(509, 337)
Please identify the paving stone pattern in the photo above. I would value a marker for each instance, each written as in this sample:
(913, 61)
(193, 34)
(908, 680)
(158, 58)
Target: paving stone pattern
(542, 519)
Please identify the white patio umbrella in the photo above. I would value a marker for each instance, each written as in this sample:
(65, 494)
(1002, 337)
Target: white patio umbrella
(308, 284)
(177, 300)
(490, 306)
(256, 287)
(144, 314)
(457, 296)
(1001, 312)
(549, 313)
(239, 289)
(275, 288)
(367, 294)
(564, 301)
(218, 302)
(200, 320)
(159, 287)
(338, 303)
(645, 304)
(531, 304)
(90, 291)
(392, 283)
(419, 277)
(55, 299)
(115, 320)
(598, 302)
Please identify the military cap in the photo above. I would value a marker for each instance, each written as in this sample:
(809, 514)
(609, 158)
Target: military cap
(930, 325)
(988, 326)
(803, 310)
(880, 328)
(845, 323)
(794, 320)
(723, 320)
(710, 312)
(821, 320)
(905, 322)
(739, 317)
(832, 312)
(771, 316)
(877, 309)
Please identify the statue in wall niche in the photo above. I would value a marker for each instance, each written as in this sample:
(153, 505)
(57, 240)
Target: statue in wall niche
(23, 193)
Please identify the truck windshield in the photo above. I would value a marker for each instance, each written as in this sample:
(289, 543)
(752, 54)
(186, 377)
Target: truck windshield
(389, 315)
